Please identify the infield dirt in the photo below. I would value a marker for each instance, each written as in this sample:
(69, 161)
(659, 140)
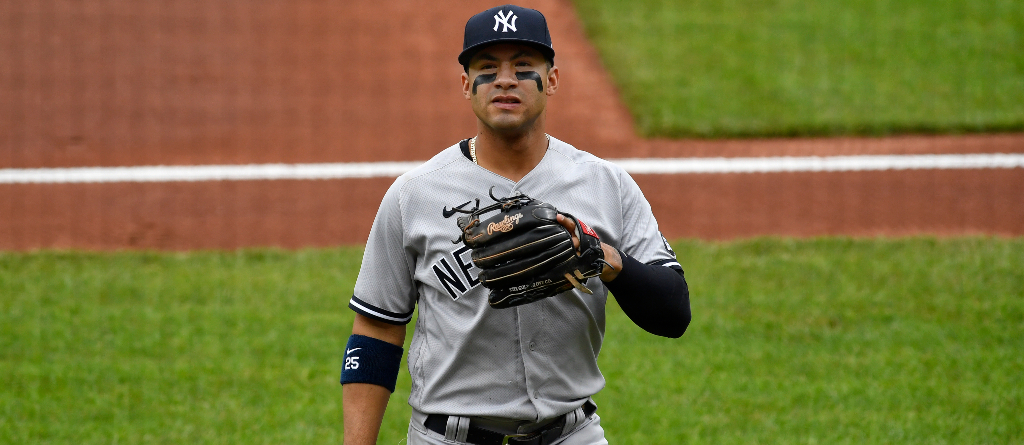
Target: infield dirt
(232, 82)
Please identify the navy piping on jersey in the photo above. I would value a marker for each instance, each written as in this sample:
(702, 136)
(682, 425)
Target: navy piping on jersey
(672, 263)
(363, 308)
(464, 146)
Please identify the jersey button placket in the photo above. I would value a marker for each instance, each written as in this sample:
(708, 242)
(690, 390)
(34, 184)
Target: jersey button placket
(532, 345)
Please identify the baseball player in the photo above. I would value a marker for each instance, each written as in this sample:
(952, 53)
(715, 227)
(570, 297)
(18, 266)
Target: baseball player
(522, 374)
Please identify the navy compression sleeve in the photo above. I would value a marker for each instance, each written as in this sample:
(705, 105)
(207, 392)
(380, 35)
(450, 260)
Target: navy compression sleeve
(370, 360)
(656, 298)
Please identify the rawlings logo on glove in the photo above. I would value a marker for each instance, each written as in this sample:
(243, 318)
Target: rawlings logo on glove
(524, 254)
(505, 225)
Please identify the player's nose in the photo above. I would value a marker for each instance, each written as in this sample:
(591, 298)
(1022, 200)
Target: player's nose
(506, 76)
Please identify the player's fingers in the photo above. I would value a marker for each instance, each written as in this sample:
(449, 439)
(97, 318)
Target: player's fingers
(571, 227)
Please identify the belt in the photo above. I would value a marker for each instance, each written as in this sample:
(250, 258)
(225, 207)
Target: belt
(546, 434)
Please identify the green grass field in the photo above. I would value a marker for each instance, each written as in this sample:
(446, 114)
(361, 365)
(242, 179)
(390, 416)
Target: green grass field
(795, 68)
(793, 341)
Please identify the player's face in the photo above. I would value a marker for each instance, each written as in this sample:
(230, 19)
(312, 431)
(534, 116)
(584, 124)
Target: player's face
(508, 85)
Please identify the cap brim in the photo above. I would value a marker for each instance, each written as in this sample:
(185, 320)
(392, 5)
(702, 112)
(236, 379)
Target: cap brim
(467, 54)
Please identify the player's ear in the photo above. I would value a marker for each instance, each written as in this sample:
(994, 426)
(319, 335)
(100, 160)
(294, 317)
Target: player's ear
(467, 87)
(552, 81)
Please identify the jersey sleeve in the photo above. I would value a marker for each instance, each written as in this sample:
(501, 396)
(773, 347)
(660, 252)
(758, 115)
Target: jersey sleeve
(384, 289)
(641, 238)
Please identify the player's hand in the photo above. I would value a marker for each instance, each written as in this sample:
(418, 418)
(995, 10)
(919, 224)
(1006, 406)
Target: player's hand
(611, 255)
(571, 227)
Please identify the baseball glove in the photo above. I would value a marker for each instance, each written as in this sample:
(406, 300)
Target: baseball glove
(524, 254)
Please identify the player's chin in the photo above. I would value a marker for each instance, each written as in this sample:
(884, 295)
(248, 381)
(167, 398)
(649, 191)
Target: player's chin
(507, 122)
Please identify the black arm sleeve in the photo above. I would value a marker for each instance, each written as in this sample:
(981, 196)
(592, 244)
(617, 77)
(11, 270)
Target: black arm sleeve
(656, 298)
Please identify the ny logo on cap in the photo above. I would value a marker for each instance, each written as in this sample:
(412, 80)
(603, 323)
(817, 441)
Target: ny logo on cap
(502, 19)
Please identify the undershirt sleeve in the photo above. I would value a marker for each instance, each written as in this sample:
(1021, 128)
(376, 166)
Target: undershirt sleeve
(654, 297)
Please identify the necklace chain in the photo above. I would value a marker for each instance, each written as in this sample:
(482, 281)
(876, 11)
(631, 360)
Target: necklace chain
(472, 147)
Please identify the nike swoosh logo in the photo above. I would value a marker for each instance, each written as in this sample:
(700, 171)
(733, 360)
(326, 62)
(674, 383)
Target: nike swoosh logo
(448, 213)
(349, 351)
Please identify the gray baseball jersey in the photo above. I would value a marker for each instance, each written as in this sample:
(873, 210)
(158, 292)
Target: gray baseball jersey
(530, 362)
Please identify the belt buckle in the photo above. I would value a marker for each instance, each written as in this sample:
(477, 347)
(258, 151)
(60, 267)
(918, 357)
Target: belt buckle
(505, 440)
(541, 436)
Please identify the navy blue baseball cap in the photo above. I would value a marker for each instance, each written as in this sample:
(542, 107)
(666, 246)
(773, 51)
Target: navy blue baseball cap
(506, 24)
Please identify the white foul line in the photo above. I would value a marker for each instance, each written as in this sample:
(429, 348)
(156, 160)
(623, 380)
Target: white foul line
(265, 172)
(821, 164)
(193, 173)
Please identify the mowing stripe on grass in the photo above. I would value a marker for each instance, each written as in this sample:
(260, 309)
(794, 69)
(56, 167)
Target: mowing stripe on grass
(265, 172)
